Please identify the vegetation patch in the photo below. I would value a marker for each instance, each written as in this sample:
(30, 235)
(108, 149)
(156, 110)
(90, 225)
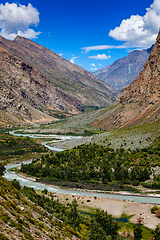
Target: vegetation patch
(93, 166)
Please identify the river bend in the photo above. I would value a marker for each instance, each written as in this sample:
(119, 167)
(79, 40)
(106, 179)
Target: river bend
(41, 186)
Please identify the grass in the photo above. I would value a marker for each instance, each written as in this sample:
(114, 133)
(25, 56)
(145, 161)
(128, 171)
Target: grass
(133, 137)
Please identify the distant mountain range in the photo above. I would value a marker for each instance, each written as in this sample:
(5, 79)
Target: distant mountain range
(123, 71)
(139, 102)
(37, 85)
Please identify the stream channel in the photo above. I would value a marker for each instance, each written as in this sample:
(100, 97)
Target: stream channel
(40, 186)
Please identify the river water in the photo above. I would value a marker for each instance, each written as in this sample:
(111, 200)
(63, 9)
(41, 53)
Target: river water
(40, 186)
(47, 144)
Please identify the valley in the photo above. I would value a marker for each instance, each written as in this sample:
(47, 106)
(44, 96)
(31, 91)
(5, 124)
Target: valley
(84, 145)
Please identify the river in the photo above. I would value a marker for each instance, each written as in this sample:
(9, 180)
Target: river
(40, 186)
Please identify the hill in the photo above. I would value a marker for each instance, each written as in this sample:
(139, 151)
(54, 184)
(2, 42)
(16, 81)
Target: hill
(37, 84)
(123, 71)
(21, 218)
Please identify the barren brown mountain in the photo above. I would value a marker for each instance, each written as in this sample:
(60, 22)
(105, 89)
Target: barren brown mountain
(37, 84)
(139, 102)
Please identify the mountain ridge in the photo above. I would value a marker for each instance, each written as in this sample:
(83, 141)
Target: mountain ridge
(71, 87)
(124, 70)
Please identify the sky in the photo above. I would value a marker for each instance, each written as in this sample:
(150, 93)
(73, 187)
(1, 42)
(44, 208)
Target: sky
(89, 33)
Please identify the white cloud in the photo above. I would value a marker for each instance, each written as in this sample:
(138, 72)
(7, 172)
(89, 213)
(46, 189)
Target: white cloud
(103, 47)
(100, 64)
(94, 69)
(60, 54)
(92, 65)
(16, 20)
(140, 31)
(72, 59)
(100, 57)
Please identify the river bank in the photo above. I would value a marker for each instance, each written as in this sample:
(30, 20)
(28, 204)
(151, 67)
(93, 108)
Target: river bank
(122, 193)
(115, 207)
(114, 203)
(91, 199)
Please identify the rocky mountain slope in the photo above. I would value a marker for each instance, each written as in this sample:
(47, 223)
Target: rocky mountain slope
(25, 92)
(139, 102)
(123, 71)
(33, 78)
(21, 218)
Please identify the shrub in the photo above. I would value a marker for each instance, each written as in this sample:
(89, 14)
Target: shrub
(12, 223)
(4, 217)
(154, 208)
(135, 183)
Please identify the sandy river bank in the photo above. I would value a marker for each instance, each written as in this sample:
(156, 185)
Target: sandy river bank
(115, 207)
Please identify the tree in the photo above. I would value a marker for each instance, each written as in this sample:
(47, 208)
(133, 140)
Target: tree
(73, 216)
(106, 222)
(96, 231)
(45, 191)
(16, 184)
(156, 233)
(138, 230)
(2, 169)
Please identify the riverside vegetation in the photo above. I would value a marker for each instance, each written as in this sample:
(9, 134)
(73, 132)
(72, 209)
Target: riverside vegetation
(26, 214)
(98, 167)
(21, 206)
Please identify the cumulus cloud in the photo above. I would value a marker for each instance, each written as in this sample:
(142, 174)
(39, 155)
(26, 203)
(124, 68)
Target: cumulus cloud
(140, 31)
(16, 20)
(100, 57)
(72, 59)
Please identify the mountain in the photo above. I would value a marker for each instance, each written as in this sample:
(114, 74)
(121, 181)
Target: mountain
(139, 102)
(101, 71)
(37, 83)
(123, 71)
(24, 91)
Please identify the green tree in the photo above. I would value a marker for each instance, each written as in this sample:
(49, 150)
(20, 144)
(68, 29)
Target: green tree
(105, 220)
(2, 169)
(96, 231)
(45, 191)
(16, 184)
(138, 230)
(73, 215)
(156, 233)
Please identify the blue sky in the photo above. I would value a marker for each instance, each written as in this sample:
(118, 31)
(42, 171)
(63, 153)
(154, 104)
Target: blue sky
(91, 34)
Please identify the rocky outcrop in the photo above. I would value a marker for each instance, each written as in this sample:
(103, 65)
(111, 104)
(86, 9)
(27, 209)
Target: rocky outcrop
(123, 71)
(139, 102)
(27, 94)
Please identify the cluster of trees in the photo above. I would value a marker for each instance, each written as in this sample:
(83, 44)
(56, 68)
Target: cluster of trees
(89, 163)
(99, 226)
